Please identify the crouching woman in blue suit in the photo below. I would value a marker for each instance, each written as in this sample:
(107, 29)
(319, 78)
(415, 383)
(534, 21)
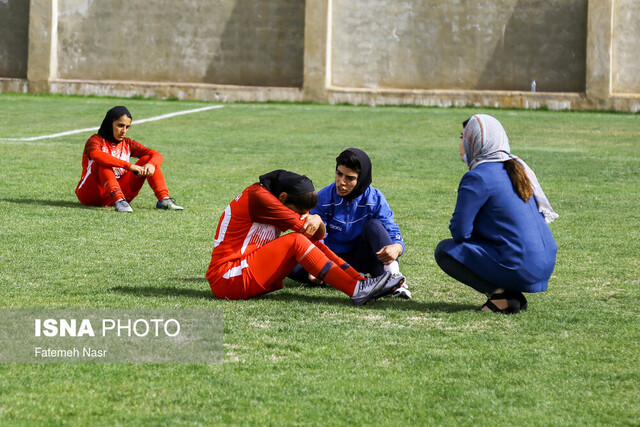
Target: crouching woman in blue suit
(501, 242)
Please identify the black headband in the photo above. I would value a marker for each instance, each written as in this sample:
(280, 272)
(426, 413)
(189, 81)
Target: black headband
(279, 181)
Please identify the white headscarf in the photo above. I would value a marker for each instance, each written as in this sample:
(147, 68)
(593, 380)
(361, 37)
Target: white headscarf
(485, 140)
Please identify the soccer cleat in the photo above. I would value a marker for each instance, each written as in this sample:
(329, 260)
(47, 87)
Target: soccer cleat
(395, 282)
(168, 204)
(402, 291)
(368, 289)
(377, 287)
(123, 206)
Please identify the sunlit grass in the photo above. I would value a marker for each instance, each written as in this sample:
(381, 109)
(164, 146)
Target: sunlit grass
(307, 355)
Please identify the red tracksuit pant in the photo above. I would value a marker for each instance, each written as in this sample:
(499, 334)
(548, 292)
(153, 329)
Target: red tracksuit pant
(102, 188)
(263, 270)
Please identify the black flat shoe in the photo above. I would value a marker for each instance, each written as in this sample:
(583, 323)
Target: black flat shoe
(513, 303)
(523, 301)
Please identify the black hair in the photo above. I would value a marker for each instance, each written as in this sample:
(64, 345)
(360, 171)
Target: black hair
(349, 159)
(303, 201)
(299, 188)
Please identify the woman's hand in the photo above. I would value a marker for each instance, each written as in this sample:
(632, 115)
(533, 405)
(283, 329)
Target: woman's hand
(389, 253)
(137, 170)
(313, 226)
(146, 170)
(149, 169)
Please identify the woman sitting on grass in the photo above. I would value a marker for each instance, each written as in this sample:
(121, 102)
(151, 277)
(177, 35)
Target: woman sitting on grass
(108, 179)
(360, 225)
(502, 245)
(250, 258)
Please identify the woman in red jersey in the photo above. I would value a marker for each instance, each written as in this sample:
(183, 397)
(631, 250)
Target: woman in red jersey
(108, 179)
(250, 257)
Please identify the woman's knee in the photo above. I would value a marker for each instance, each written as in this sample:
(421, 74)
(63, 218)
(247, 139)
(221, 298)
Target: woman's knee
(374, 226)
(446, 262)
(146, 159)
(439, 252)
(297, 242)
(459, 271)
(295, 238)
(375, 235)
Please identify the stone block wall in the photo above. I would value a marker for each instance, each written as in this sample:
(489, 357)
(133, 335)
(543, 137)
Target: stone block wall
(583, 54)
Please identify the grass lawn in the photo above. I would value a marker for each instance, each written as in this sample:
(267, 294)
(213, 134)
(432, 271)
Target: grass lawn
(308, 355)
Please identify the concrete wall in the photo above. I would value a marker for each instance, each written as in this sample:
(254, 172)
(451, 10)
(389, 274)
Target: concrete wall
(626, 47)
(14, 40)
(241, 42)
(583, 54)
(464, 44)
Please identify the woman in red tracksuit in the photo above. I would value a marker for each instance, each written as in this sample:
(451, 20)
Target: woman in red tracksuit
(108, 179)
(250, 258)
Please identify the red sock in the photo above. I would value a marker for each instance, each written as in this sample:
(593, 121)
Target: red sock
(352, 272)
(316, 263)
(116, 195)
(110, 183)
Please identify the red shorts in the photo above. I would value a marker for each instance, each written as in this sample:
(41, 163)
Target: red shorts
(261, 271)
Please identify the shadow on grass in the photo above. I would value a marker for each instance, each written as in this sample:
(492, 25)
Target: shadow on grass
(191, 280)
(55, 203)
(381, 304)
(152, 291)
(285, 296)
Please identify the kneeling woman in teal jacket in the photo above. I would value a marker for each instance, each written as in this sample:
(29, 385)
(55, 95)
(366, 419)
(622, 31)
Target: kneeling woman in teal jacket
(501, 243)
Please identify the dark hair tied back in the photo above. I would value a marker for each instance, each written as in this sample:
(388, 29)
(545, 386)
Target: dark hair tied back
(519, 179)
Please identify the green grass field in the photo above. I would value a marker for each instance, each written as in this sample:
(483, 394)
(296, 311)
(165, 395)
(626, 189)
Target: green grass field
(307, 355)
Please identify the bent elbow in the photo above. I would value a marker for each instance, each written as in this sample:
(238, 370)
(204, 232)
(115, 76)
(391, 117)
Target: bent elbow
(459, 235)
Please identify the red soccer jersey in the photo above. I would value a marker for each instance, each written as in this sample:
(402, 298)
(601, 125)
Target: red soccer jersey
(252, 219)
(115, 156)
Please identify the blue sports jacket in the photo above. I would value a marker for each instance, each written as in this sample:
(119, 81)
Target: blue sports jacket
(346, 219)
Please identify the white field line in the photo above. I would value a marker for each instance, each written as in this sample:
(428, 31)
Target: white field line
(93, 129)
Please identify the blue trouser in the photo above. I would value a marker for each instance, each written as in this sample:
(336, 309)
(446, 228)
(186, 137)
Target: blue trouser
(459, 271)
(363, 257)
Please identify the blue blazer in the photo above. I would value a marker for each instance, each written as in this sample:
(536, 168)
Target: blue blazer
(499, 236)
(346, 219)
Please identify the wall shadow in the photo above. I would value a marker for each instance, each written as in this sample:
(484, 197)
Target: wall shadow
(14, 39)
(262, 45)
(547, 44)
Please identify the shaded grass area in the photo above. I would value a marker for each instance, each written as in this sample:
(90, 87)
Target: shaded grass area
(307, 355)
